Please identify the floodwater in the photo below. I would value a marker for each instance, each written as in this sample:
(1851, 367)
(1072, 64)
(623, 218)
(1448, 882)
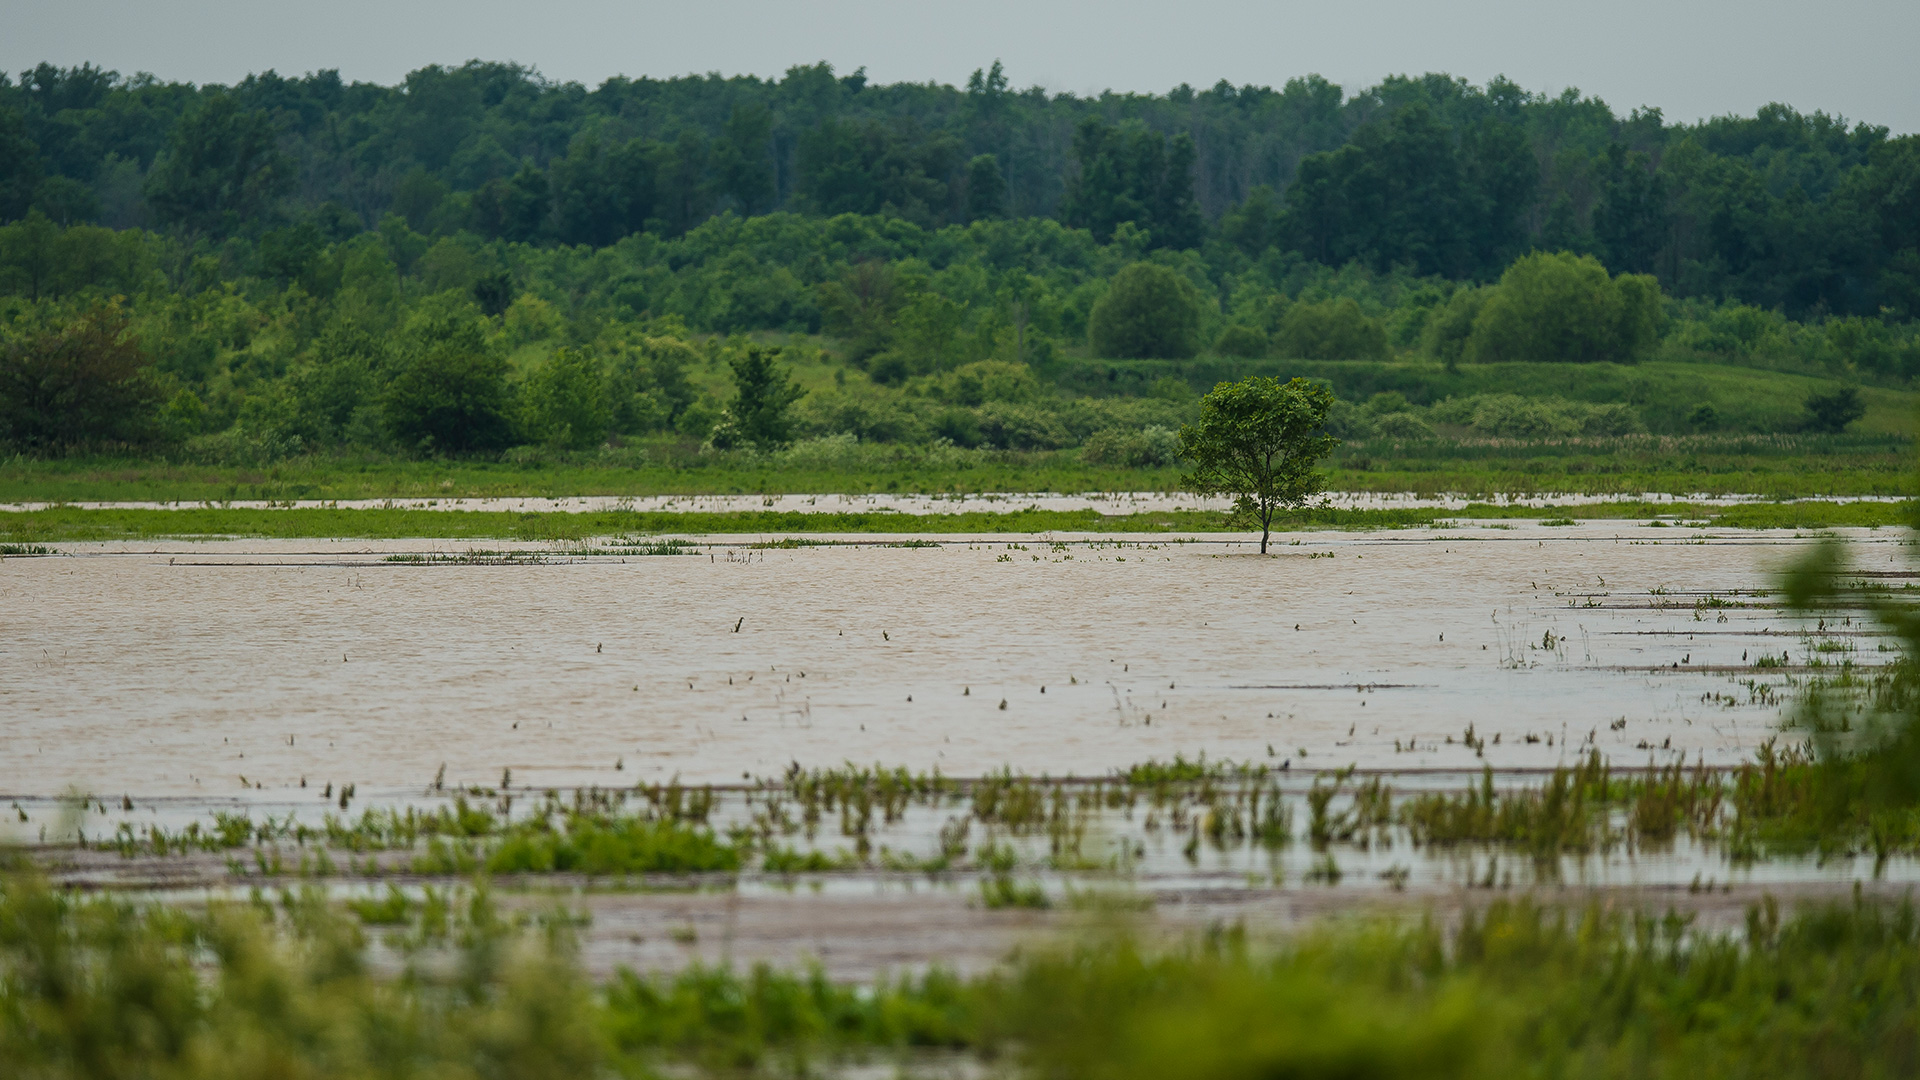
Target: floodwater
(238, 670)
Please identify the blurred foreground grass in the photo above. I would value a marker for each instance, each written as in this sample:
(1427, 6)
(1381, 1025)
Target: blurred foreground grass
(288, 987)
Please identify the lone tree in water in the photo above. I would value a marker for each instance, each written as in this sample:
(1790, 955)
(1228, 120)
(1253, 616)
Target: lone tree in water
(1258, 440)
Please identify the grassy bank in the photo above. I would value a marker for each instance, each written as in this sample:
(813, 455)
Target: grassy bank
(71, 524)
(1777, 466)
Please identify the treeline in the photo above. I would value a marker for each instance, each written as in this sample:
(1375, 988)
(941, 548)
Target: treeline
(982, 335)
(1430, 176)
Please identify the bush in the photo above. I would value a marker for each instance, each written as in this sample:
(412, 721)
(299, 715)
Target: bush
(1148, 448)
(763, 399)
(1830, 413)
(1021, 427)
(1403, 425)
(1330, 330)
(85, 382)
(566, 399)
(866, 412)
(1516, 417)
(1564, 307)
(987, 380)
(1449, 327)
(451, 393)
(1247, 342)
(1148, 313)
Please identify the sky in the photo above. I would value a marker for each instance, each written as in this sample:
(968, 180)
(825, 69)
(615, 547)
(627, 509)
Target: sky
(1690, 58)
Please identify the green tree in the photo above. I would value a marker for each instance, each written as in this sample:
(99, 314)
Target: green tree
(1249, 342)
(19, 165)
(566, 399)
(86, 382)
(986, 188)
(222, 166)
(1258, 440)
(450, 394)
(1564, 307)
(337, 379)
(764, 393)
(1148, 313)
(743, 161)
(1330, 330)
(1831, 412)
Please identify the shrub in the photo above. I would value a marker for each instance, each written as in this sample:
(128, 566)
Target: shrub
(1330, 330)
(84, 382)
(451, 392)
(1513, 416)
(1564, 307)
(1147, 448)
(869, 413)
(1021, 427)
(1831, 412)
(566, 400)
(1403, 425)
(763, 398)
(1449, 327)
(987, 380)
(1242, 341)
(1148, 313)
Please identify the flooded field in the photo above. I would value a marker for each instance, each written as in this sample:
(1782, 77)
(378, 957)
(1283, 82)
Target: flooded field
(151, 688)
(178, 669)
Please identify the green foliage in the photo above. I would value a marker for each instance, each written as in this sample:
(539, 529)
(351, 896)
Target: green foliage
(1860, 785)
(40, 259)
(589, 845)
(1258, 440)
(222, 166)
(986, 188)
(1148, 312)
(75, 382)
(1563, 307)
(566, 401)
(1515, 417)
(98, 987)
(1831, 412)
(1243, 341)
(1151, 447)
(764, 393)
(1514, 990)
(450, 392)
(1131, 174)
(1330, 330)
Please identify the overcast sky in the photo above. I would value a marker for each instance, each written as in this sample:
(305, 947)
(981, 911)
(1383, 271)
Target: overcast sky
(1691, 58)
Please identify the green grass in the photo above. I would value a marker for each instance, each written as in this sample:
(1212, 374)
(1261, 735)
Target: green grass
(68, 524)
(99, 987)
(1745, 399)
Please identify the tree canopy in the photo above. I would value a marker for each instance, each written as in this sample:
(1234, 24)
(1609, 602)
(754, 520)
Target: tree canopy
(1258, 440)
(1799, 211)
(1149, 312)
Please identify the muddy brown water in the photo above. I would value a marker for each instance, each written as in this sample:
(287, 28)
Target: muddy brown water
(193, 677)
(176, 669)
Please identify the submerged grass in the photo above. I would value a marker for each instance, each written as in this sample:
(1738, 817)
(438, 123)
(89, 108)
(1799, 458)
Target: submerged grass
(99, 987)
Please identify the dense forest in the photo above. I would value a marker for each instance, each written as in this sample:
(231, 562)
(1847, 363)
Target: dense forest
(275, 263)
